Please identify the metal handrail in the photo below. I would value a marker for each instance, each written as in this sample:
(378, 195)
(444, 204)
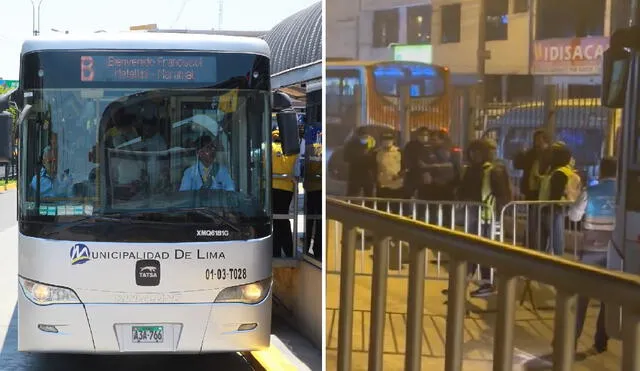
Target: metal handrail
(568, 277)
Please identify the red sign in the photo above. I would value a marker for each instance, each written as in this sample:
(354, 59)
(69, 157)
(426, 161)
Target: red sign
(577, 56)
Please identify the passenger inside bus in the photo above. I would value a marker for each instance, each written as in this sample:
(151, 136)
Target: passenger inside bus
(206, 173)
(52, 184)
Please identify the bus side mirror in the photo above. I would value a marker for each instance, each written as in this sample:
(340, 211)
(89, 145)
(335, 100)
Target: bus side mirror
(6, 152)
(280, 101)
(289, 136)
(615, 70)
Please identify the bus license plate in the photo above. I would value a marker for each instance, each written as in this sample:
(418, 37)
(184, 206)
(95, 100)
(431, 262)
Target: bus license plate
(147, 334)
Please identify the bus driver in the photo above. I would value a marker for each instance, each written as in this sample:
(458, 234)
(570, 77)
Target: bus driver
(206, 173)
(51, 184)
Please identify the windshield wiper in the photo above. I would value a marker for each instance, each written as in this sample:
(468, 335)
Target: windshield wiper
(83, 220)
(206, 212)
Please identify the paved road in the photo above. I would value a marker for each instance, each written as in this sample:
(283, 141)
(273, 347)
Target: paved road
(12, 360)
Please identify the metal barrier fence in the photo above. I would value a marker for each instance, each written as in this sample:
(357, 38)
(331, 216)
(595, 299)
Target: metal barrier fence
(461, 216)
(539, 225)
(567, 277)
(295, 211)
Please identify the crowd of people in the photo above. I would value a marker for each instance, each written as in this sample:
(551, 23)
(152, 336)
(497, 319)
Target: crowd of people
(428, 169)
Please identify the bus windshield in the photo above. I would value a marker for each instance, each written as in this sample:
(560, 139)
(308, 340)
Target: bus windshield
(148, 155)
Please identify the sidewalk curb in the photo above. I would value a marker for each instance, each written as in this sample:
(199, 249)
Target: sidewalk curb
(276, 357)
(9, 187)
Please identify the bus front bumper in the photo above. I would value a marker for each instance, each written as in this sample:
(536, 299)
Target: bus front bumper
(109, 328)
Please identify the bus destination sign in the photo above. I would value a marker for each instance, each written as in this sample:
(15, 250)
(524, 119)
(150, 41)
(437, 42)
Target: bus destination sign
(140, 68)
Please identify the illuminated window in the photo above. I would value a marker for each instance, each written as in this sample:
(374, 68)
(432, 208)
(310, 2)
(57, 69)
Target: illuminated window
(386, 25)
(419, 24)
(450, 22)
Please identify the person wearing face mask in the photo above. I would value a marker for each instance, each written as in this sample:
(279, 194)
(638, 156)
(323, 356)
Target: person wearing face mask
(417, 159)
(206, 173)
(389, 166)
(359, 155)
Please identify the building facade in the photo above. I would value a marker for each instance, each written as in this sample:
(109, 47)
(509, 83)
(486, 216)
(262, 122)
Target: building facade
(528, 43)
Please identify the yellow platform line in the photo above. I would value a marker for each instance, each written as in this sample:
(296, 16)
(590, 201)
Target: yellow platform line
(272, 359)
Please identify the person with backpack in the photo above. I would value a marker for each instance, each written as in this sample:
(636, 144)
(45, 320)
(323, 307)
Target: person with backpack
(597, 205)
(562, 184)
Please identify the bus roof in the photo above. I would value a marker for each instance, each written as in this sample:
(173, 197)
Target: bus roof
(147, 41)
(572, 102)
(352, 63)
(358, 63)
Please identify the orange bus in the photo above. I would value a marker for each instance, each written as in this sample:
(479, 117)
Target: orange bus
(367, 93)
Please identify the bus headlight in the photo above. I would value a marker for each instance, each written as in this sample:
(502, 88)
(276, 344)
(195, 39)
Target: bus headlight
(250, 293)
(42, 294)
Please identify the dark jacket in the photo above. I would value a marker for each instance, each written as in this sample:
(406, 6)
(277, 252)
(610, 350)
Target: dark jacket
(414, 153)
(471, 185)
(524, 161)
(560, 156)
(361, 159)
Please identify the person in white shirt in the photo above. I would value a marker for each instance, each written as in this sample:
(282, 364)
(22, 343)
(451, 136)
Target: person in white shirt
(206, 173)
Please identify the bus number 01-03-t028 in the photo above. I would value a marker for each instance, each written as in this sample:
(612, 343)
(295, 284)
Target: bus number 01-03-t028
(226, 274)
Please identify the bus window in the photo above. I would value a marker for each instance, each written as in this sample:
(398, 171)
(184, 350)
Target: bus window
(423, 80)
(342, 88)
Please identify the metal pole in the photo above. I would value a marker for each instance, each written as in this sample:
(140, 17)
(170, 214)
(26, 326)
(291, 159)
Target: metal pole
(503, 344)
(630, 341)
(33, 18)
(347, 286)
(415, 307)
(482, 52)
(455, 315)
(564, 331)
(550, 97)
(378, 304)
(39, 3)
(404, 112)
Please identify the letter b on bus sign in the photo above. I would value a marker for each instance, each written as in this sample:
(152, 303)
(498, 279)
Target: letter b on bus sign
(87, 72)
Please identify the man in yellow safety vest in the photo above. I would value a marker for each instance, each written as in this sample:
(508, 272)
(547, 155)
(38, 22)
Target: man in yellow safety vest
(283, 188)
(484, 180)
(562, 184)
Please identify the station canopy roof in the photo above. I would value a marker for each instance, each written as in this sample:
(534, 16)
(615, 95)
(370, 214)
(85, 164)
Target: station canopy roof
(296, 42)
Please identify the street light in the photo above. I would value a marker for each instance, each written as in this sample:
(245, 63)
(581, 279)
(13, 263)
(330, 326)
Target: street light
(56, 30)
(36, 31)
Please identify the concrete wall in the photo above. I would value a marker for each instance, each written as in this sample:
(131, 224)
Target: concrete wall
(507, 57)
(299, 289)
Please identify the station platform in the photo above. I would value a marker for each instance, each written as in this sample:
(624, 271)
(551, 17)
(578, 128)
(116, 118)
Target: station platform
(533, 333)
(289, 350)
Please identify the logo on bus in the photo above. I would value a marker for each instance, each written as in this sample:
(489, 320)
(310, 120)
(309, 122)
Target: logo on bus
(147, 272)
(79, 254)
